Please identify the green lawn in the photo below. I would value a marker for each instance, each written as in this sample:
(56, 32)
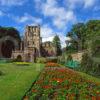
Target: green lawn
(17, 80)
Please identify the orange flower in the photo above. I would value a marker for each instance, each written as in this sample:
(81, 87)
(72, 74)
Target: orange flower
(77, 81)
(33, 90)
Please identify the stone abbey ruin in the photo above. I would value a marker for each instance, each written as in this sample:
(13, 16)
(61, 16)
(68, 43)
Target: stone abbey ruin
(30, 46)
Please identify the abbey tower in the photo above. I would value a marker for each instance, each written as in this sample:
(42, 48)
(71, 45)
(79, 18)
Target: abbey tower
(32, 39)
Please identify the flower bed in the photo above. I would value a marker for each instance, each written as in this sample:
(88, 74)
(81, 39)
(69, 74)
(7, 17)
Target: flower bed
(62, 84)
(50, 64)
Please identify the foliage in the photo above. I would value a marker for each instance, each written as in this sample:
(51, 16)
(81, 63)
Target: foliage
(62, 59)
(57, 44)
(78, 35)
(82, 33)
(9, 31)
(89, 66)
(41, 60)
(86, 63)
(87, 37)
(69, 58)
(22, 63)
(92, 29)
(52, 59)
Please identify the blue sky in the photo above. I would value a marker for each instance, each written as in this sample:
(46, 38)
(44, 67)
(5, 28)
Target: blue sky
(54, 16)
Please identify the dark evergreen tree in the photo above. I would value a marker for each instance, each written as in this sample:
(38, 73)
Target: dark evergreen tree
(57, 44)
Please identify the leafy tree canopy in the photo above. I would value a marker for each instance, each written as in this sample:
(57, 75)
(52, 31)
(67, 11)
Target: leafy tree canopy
(92, 29)
(9, 31)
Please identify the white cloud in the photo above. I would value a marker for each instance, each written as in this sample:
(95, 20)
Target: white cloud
(72, 4)
(59, 15)
(89, 3)
(27, 18)
(62, 39)
(46, 31)
(60, 18)
(12, 2)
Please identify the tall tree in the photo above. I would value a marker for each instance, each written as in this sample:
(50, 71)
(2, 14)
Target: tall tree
(79, 33)
(72, 42)
(92, 28)
(57, 44)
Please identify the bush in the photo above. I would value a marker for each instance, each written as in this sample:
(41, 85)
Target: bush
(22, 63)
(86, 63)
(89, 66)
(52, 59)
(62, 59)
(45, 60)
(10, 61)
(69, 58)
(41, 60)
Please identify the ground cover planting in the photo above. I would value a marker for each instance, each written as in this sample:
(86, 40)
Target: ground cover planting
(59, 83)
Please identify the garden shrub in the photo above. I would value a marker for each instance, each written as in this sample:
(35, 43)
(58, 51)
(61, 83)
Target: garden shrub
(52, 59)
(62, 59)
(89, 66)
(86, 63)
(22, 63)
(69, 58)
(41, 60)
(10, 61)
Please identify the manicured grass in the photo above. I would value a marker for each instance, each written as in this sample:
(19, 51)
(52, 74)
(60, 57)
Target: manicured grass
(17, 80)
(89, 77)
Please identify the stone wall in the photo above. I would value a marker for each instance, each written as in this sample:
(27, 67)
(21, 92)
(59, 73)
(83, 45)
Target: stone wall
(48, 49)
(77, 56)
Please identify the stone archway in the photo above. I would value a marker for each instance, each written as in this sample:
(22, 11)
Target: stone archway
(19, 58)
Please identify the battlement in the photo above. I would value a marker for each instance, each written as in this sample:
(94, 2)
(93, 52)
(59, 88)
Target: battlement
(33, 29)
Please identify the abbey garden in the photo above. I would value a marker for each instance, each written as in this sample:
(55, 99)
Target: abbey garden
(34, 70)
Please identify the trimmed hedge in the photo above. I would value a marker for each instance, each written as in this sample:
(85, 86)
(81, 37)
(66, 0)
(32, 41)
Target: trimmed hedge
(52, 59)
(45, 60)
(41, 60)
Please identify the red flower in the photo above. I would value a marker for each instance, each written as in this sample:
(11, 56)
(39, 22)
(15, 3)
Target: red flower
(50, 64)
(47, 87)
(93, 98)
